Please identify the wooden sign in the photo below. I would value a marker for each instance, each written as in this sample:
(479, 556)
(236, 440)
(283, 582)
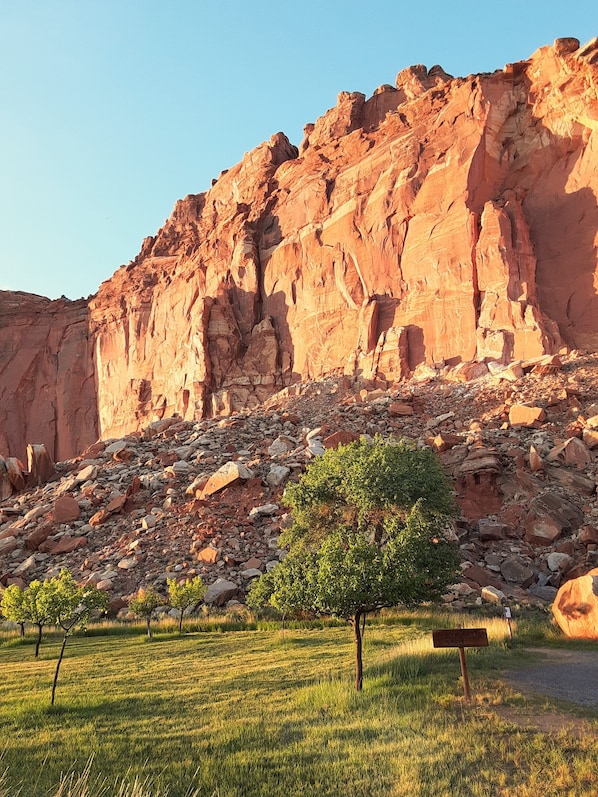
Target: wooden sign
(461, 638)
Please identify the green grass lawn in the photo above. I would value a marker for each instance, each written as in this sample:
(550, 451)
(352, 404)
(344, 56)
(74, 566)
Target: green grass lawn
(273, 712)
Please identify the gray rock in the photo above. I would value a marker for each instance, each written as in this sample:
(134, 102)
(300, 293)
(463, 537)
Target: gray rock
(116, 447)
(547, 594)
(515, 571)
(252, 572)
(221, 591)
(280, 446)
(559, 561)
(25, 566)
(315, 447)
(277, 474)
(263, 511)
(491, 529)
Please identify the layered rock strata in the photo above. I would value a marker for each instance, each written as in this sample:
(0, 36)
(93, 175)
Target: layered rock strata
(442, 220)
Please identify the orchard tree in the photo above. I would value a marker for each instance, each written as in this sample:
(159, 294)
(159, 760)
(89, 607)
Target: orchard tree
(184, 594)
(368, 531)
(28, 606)
(12, 606)
(38, 609)
(70, 606)
(143, 604)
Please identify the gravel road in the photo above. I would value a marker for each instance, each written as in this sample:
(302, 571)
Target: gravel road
(565, 674)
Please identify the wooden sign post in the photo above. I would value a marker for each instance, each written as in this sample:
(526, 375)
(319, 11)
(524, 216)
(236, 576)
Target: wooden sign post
(461, 638)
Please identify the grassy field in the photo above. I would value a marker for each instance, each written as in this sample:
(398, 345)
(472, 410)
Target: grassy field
(272, 712)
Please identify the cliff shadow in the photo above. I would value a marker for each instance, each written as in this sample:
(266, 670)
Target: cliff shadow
(251, 335)
(540, 174)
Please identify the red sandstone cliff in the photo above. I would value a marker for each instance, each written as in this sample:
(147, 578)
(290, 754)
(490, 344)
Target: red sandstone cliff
(47, 381)
(440, 220)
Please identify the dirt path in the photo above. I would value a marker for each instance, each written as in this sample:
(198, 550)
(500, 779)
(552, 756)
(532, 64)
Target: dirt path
(568, 675)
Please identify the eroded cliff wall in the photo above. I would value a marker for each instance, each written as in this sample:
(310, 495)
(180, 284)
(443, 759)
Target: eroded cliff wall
(47, 381)
(442, 220)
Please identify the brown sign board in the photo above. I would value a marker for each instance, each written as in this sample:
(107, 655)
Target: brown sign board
(460, 638)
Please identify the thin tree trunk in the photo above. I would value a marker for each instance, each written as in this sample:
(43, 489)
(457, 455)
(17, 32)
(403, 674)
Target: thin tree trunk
(149, 630)
(180, 622)
(358, 651)
(38, 640)
(58, 663)
(22, 630)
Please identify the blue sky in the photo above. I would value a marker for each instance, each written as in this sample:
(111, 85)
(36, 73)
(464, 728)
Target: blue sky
(114, 109)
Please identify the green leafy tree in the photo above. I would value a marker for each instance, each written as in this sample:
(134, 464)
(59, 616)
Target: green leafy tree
(184, 594)
(143, 604)
(12, 606)
(70, 607)
(368, 532)
(37, 608)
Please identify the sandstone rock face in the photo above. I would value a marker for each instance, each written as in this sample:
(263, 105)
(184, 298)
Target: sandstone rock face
(47, 382)
(431, 223)
(343, 257)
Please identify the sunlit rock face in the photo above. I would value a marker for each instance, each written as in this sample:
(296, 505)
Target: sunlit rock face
(441, 220)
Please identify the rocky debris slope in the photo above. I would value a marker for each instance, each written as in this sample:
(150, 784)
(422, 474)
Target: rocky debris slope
(430, 223)
(187, 498)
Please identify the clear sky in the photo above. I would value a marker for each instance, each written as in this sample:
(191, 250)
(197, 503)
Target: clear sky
(113, 109)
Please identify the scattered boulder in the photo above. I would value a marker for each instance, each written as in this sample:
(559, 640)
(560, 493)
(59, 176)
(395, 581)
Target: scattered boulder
(65, 544)
(574, 482)
(576, 606)
(558, 507)
(521, 415)
(517, 572)
(66, 510)
(559, 562)
(230, 473)
(491, 529)
(39, 464)
(220, 592)
(340, 438)
(37, 537)
(572, 452)
(277, 475)
(87, 473)
(542, 530)
(492, 595)
(589, 535)
(400, 409)
(267, 510)
(209, 554)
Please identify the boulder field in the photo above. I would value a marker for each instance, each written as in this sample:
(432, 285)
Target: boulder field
(184, 498)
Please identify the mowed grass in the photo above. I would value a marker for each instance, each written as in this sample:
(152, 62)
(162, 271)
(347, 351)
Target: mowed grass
(273, 712)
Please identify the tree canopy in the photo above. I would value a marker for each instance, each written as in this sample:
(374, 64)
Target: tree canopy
(368, 531)
(185, 593)
(143, 604)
